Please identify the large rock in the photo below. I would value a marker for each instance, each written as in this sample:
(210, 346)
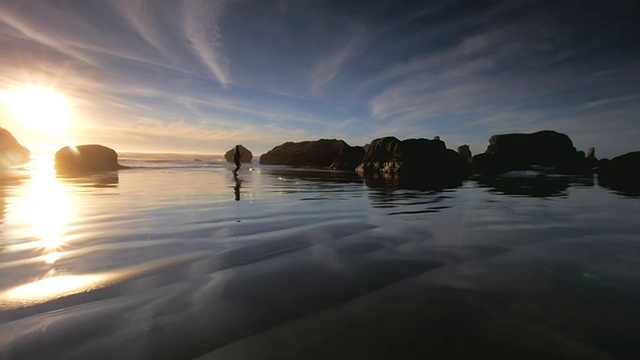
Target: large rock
(465, 152)
(306, 153)
(621, 173)
(11, 152)
(426, 159)
(86, 158)
(245, 155)
(349, 158)
(545, 148)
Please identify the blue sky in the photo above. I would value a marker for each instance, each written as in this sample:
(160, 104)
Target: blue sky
(201, 76)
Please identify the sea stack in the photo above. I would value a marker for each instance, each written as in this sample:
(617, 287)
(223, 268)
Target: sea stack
(86, 158)
(245, 155)
(11, 152)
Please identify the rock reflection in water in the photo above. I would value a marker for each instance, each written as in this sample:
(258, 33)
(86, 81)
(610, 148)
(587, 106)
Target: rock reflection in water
(398, 182)
(320, 182)
(532, 184)
(316, 177)
(621, 186)
(415, 196)
(95, 180)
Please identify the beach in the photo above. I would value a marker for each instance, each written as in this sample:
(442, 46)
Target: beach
(177, 258)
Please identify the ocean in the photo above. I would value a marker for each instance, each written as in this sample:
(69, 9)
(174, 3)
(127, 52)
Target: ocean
(177, 258)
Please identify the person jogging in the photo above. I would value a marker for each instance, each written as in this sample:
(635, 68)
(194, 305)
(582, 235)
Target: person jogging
(237, 153)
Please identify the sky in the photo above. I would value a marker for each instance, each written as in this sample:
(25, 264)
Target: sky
(201, 76)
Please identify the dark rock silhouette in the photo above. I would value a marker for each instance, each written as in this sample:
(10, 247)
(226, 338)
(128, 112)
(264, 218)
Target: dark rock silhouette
(591, 160)
(86, 158)
(319, 153)
(420, 158)
(621, 173)
(465, 152)
(581, 165)
(11, 152)
(245, 155)
(349, 158)
(545, 148)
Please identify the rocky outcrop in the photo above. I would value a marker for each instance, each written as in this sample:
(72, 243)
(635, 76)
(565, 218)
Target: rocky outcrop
(349, 158)
(581, 164)
(306, 153)
(245, 155)
(11, 152)
(545, 148)
(86, 158)
(465, 152)
(621, 173)
(426, 159)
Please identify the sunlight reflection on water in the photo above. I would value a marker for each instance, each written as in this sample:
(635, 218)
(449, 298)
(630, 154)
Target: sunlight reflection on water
(169, 247)
(42, 209)
(49, 288)
(45, 208)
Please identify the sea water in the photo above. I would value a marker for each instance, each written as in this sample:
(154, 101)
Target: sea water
(177, 258)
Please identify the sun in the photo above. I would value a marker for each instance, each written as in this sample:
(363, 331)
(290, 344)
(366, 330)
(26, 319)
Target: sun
(38, 108)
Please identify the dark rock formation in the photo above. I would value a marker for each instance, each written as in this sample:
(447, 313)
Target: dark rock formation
(11, 152)
(581, 165)
(522, 151)
(591, 161)
(86, 158)
(487, 164)
(465, 152)
(419, 158)
(245, 155)
(307, 153)
(621, 173)
(349, 158)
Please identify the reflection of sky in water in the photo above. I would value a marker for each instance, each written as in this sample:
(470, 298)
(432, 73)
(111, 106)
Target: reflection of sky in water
(164, 250)
(64, 236)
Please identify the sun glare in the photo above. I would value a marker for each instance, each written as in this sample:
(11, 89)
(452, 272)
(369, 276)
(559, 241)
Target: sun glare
(39, 109)
(45, 208)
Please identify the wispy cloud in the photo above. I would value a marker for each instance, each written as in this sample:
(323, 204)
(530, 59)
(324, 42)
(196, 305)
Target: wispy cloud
(74, 35)
(461, 79)
(331, 65)
(200, 27)
(119, 128)
(31, 32)
(138, 14)
(609, 101)
(196, 72)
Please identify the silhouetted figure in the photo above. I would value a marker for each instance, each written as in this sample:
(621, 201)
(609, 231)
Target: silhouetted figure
(237, 153)
(236, 189)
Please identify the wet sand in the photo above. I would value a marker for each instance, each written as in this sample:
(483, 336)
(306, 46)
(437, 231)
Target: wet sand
(318, 264)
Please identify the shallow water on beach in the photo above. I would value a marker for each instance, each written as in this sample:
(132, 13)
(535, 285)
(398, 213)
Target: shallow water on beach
(177, 258)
